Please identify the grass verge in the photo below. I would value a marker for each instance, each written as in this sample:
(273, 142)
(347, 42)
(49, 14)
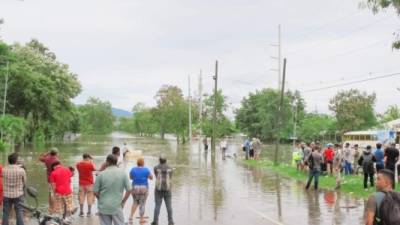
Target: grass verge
(351, 184)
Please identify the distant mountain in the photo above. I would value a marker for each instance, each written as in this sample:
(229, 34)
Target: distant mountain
(121, 113)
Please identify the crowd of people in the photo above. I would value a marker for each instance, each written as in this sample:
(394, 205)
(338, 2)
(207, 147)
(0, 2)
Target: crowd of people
(335, 159)
(109, 184)
(252, 148)
(383, 206)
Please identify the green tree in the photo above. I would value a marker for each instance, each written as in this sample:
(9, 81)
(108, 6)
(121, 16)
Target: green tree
(144, 121)
(40, 89)
(378, 5)
(13, 129)
(224, 126)
(171, 112)
(258, 113)
(313, 125)
(354, 110)
(392, 113)
(96, 117)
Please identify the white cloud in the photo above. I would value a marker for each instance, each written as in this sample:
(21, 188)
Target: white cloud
(125, 50)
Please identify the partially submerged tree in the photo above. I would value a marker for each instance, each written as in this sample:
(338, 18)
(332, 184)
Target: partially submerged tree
(40, 89)
(223, 126)
(96, 117)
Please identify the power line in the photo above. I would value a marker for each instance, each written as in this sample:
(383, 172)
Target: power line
(352, 82)
(352, 51)
(325, 25)
(337, 38)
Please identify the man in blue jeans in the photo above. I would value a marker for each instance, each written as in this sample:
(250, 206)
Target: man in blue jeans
(14, 180)
(348, 159)
(379, 156)
(163, 174)
(314, 161)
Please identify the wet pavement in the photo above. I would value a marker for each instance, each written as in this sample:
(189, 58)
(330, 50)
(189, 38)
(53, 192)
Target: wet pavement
(210, 190)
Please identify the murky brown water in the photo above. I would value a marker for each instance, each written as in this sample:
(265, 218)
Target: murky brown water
(208, 191)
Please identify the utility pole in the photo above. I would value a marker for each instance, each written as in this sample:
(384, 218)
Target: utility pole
(200, 103)
(213, 139)
(294, 126)
(190, 112)
(279, 58)
(278, 115)
(5, 96)
(200, 113)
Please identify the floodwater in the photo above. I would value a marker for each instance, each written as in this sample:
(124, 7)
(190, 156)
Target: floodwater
(210, 190)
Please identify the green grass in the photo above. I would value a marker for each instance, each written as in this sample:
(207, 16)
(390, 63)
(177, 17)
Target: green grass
(351, 184)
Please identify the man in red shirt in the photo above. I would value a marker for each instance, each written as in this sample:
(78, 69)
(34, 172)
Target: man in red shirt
(328, 156)
(48, 158)
(85, 169)
(60, 180)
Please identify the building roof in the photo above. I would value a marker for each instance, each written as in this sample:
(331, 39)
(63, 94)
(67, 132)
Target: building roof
(394, 124)
(363, 132)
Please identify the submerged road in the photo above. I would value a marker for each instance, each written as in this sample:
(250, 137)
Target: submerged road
(216, 191)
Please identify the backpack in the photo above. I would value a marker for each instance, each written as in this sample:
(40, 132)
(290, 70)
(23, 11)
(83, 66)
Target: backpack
(387, 208)
(311, 161)
(163, 179)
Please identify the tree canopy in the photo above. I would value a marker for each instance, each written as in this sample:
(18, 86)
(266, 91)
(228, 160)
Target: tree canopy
(392, 113)
(315, 125)
(258, 112)
(223, 126)
(378, 5)
(96, 117)
(40, 89)
(354, 110)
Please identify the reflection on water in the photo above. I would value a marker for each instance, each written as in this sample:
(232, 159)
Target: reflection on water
(210, 190)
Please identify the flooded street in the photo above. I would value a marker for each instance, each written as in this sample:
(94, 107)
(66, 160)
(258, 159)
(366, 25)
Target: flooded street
(208, 191)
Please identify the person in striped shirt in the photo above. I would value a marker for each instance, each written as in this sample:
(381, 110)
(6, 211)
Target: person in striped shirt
(14, 180)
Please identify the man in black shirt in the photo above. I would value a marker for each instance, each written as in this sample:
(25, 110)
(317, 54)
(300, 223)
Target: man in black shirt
(391, 155)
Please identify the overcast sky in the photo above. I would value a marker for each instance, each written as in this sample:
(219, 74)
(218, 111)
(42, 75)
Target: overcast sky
(124, 50)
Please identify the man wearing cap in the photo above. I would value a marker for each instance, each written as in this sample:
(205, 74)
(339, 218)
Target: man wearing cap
(85, 169)
(48, 158)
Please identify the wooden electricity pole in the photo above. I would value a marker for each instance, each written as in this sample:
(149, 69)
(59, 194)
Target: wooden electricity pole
(278, 115)
(214, 127)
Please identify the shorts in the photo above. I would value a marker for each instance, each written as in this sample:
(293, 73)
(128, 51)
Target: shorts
(86, 191)
(63, 200)
(140, 193)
